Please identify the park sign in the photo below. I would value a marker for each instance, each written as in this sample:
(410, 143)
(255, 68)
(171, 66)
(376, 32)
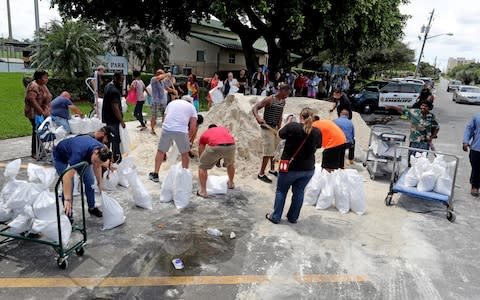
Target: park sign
(113, 63)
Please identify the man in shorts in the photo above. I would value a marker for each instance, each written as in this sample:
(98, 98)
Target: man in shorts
(270, 122)
(215, 143)
(180, 123)
(333, 143)
(159, 99)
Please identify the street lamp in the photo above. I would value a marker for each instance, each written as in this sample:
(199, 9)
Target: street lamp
(425, 38)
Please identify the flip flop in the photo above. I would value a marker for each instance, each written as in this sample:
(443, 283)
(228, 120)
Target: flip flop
(200, 195)
(267, 216)
(231, 187)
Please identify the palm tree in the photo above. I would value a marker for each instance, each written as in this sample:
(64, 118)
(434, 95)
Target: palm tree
(150, 47)
(66, 48)
(116, 35)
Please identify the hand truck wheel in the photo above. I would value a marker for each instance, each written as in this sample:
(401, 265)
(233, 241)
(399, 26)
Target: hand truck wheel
(451, 216)
(62, 263)
(80, 251)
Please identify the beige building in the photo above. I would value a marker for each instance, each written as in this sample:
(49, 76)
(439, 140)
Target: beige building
(210, 47)
(453, 62)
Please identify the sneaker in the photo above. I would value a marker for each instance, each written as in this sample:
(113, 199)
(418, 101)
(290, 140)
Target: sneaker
(273, 172)
(264, 178)
(153, 176)
(95, 212)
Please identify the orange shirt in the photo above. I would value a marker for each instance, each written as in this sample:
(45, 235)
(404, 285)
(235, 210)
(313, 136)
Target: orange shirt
(332, 135)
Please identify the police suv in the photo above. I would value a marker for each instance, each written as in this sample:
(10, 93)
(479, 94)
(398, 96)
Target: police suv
(394, 93)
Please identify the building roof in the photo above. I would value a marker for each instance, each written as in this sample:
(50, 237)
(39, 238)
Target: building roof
(228, 43)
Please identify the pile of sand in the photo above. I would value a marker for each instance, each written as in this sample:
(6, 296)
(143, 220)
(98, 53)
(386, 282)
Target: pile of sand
(235, 114)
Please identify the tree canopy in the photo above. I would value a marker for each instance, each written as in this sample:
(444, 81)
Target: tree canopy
(288, 26)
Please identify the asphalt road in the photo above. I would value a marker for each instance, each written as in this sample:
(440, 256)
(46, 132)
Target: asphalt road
(388, 253)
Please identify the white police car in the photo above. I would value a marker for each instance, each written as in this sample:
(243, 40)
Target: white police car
(399, 94)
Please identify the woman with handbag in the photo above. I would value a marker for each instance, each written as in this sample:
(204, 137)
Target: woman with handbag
(297, 165)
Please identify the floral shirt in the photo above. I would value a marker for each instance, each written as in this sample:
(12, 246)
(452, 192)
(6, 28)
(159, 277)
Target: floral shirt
(421, 126)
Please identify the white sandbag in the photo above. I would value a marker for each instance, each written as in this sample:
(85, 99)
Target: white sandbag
(124, 105)
(341, 192)
(22, 222)
(443, 185)
(23, 194)
(60, 133)
(75, 125)
(314, 187)
(168, 184)
(125, 144)
(411, 178)
(357, 191)
(427, 181)
(10, 188)
(110, 180)
(326, 197)
(12, 168)
(127, 163)
(216, 95)
(113, 214)
(44, 207)
(140, 195)
(96, 124)
(5, 213)
(217, 185)
(183, 188)
(233, 89)
(50, 229)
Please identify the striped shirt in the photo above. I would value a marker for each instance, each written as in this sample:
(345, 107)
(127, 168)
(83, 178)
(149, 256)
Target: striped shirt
(273, 113)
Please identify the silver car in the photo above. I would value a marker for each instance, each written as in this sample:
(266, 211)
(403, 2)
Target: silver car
(467, 94)
(453, 85)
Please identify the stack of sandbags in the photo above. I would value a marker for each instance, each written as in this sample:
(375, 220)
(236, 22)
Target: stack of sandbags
(177, 186)
(344, 188)
(429, 176)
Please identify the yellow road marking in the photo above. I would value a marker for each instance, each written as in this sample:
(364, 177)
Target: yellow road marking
(172, 280)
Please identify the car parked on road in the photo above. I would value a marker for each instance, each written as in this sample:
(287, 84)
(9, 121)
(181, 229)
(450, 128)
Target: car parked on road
(453, 85)
(394, 93)
(467, 94)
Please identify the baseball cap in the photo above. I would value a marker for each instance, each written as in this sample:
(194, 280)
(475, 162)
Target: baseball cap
(109, 132)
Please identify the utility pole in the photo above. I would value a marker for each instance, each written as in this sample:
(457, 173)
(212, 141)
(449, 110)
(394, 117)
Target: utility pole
(10, 36)
(427, 30)
(37, 17)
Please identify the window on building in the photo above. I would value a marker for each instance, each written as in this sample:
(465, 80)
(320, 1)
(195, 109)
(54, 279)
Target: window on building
(201, 55)
(231, 58)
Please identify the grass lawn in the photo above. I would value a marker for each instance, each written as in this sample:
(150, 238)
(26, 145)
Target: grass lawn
(13, 120)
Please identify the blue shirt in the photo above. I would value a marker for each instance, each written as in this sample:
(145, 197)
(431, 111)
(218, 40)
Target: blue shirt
(472, 133)
(76, 149)
(158, 91)
(59, 107)
(347, 127)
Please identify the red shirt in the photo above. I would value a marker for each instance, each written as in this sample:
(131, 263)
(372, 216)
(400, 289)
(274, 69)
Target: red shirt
(216, 136)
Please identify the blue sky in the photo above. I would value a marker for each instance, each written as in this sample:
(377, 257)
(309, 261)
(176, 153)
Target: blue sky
(460, 17)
